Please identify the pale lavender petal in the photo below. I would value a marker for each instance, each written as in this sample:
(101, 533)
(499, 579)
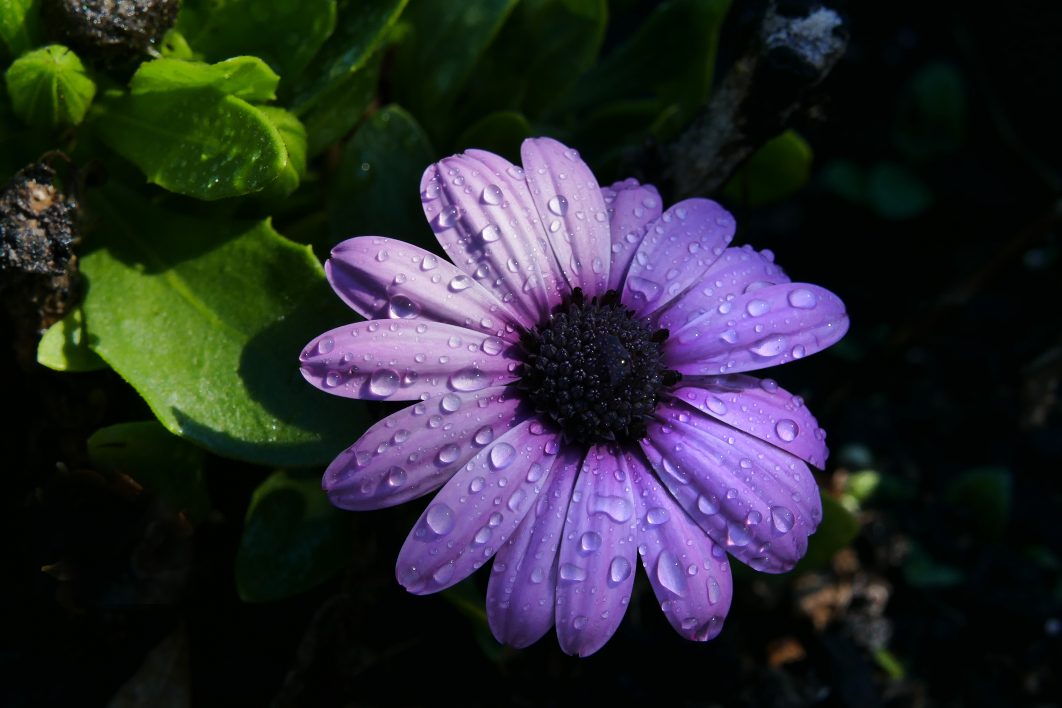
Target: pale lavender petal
(482, 213)
(761, 408)
(382, 278)
(571, 208)
(477, 510)
(738, 270)
(677, 250)
(403, 360)
(631, 208)
(523, 581)
(758, 502)
(597, 555)
(759, 328)
(690, 574)
(414, 451)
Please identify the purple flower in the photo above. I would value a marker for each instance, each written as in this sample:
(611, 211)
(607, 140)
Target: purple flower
(578, 372)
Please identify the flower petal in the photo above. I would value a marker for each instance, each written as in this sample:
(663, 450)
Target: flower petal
(736, 270)
(483, 214)
(417, 449)
(477, 510)
(758, 502)
(631, 208)
(573, 211)
(402, 360)
(689, 573)
(523, 581)
(761, 408)
(759, 328)
(597, 554)
(676, 251)
(382, 278)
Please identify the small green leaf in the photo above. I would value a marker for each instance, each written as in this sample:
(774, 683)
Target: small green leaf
(669, 59)
(248, 78)
(65, 346)
(501, 133)
(194, 141)
(175, 46)
(163, 463)
(20, 25)
(293, 539)
(983, 498)
(50, 87)
(294, 136)
(779, 168)
(437, 56)
(332, 95)
(836, 530)
(212, 337)
(376, 188)
(888, 663)
(921, 570)
(931, 112)
(285, 34)
(541, 51)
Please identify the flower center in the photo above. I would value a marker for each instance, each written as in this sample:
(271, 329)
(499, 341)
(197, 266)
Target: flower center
(594, 369)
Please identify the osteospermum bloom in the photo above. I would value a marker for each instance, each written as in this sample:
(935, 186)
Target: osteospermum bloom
(578, 376)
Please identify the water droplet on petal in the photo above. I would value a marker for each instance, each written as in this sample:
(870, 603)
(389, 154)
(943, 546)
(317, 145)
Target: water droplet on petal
(619, 569)
(326, 345)
(572, 573)
(590, 541)
(501, 455)
(579, 621)
(492, 346)
(787, 429)
(484, 435)
(669, 573)
(443, 574)
(715, 405)
(476, 485)
(401, 307)
(771, 346)
(781, 519)
(558, 205)
(440, 519)
(646, 288)
(657, 515)
(482, 536)
(492, 194)
(757, 307)
(714, 591)
(460, 282)
(448, 216)
(429, 263)
(448, 453)
(803, 299)
(617, 508)
(469, 379)
(450, 403)
(490, 233)
(383, 382)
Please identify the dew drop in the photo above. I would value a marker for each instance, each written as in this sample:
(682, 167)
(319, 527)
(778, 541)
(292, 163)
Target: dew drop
(787, 429)
(469, 379)
(326, 345)
(440, 519)
(484, 435)
(501, 455)
(429, 263)
(707, 505)
(757, 307)
(490, 233)
(460, 282)
(802, 298)
(492, 346)
(448, 453)
(714, 591)
(492, 194)
(781, 519)
(482, 536)
(771, 346)
(558, 205)
(333, 379)
(572, 573)
(579, 621)
(383, 382)
(401, 307)
(715, 405)
(657, 515)
(448, 217)
(443, 574)
(396, 477)
(669, 573)
(537, 575)
(616, 508)
(450, 403)
(476, 485)
(619, 569)
(590, 541)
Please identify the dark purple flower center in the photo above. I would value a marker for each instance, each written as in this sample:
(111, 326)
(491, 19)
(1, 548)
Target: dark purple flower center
(595, 370)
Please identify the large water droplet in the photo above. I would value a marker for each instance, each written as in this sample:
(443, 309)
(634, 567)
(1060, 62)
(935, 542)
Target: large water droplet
(572, 573)
(490, 233)
(450, 403)
(669, 573)
(492, 194)
(443, 574)
(619, 569)
(757, 307)
(448, 216)
(787, 429)
(469, 379)
(579, 622)
(401, 307)
(771, 346)
(448, 453)
(590, 541)
(429, 263)
(483, 535)
(440, 519)
(646, 288)
(558, 205)
(781, 519)
(715, 405)
(707, 505)
(383, 382)
(484, 435)
(617, 508)
(460, 282)
(326, 345)
(657, 515)
(492, 346)
(802, 298)
(501, 455)
(714, 591)
(396, 477)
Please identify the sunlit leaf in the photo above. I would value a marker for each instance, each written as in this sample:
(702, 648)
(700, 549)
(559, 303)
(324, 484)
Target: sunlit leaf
(211, 338)
(776, 170)
(19, 25)
(248, 78)
(65, 347)
(50, 87)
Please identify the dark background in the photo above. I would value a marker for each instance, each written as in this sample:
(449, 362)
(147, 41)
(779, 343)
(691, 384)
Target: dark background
(950, 595)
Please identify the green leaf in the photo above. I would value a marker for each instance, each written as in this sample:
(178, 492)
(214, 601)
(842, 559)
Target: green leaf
(20, 25)
(376, 187)
(931, 112)
(285, 34)
(437, 56)
(896, 193)
(50, 87)
(293, 134)
(163, 463)
(541, 51)
(776, 170)
(921, 570)
(248, 78)
(212, 336)
(983, 497)
(836, 530)
(501, 133)
(334, 92)
(293, 539)
(669, 59)
(194, 141)
(175, 46)
(65, 346)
